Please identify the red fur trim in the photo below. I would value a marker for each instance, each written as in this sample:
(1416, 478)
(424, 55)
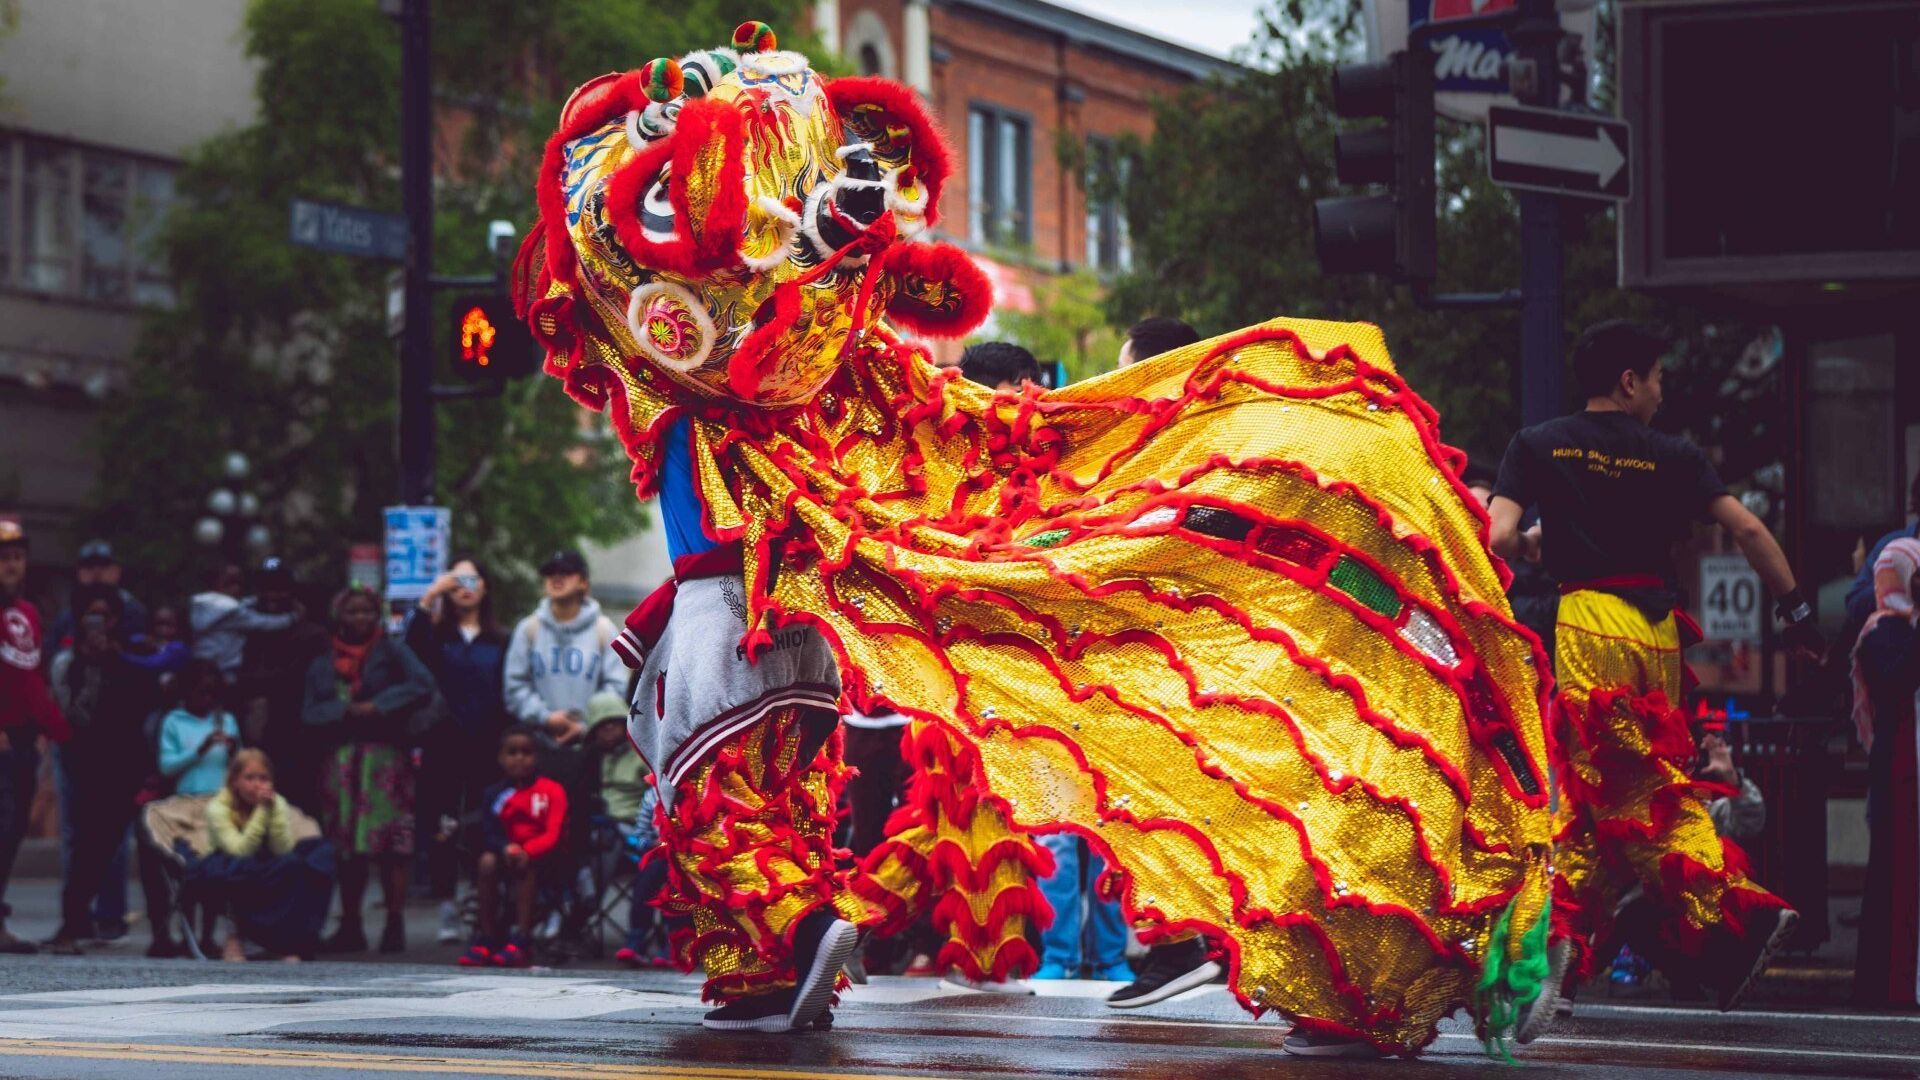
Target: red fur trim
(938, 263)
(1013, 960)
(900, 105)
(755, 358)
(705, 243)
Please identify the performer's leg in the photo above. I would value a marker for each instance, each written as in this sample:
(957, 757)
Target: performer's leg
(1628, 757)
(947, 843)
(750, 839)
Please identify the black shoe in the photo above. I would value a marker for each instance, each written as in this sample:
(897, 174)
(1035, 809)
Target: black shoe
(1169, 970)
(821, 946)
(14, 946)
(62, 945)
(1541, 1012)
(761, 1012)
(164, 948)
(347, 939)
(1748, 956)
(109, 929)
(394, 938)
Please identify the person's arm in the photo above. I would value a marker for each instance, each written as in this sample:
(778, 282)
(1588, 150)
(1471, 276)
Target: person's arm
(419, 636)
(247, 619)
(323, 706)
(613, 670)
(552, 825)
(1756, 542)
(493, 831)
(523, 701)
(279, 825)
(175, 753)
(220, 828)
(1504, 535)
(415, 687)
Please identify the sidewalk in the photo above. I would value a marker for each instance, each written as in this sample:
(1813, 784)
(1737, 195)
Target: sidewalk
(35, 895)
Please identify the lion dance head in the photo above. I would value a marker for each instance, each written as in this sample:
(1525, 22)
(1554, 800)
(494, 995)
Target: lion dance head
(736, 222)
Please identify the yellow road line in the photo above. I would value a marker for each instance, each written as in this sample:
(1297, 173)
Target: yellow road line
(261, 1057)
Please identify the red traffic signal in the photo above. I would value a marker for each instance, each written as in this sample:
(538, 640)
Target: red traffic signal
(489, 342)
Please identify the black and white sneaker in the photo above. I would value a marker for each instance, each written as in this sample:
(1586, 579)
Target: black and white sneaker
(1168, 970)
(1320, 1044)
(1752, 955)
(821, 947)
(761, 1012)
(1545, 1009)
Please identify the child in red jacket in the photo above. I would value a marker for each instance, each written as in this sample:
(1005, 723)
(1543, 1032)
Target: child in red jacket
(521, 826)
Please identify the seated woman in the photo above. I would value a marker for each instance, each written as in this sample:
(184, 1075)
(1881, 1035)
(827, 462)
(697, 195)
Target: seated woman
(275, 889)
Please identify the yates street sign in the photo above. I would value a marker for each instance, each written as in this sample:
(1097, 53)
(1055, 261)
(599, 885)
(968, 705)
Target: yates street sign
(348, 230)
(1564, 153)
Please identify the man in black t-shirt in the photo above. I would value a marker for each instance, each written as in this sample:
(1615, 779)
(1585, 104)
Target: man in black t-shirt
(1614, 496)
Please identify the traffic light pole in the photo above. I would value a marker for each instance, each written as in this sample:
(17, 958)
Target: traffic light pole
(416, 185)
(1536, 38)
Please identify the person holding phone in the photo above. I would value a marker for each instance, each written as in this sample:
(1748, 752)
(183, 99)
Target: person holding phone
(198, 737)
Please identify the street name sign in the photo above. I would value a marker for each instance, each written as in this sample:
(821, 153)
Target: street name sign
(1563, 153)
(347, 230)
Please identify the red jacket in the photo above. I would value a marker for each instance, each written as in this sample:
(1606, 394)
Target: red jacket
(25, 701)
(531, 816)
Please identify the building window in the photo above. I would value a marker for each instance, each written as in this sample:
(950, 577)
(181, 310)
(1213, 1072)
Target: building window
(999, 177)
(1109, 247)
(82, 222)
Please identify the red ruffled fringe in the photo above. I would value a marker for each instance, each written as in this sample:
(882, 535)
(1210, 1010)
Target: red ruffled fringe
(945, 787)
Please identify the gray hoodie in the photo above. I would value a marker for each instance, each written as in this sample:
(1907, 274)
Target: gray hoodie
(553, 665)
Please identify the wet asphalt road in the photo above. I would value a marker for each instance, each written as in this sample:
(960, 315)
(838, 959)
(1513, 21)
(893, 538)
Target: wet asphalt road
(114, 1016)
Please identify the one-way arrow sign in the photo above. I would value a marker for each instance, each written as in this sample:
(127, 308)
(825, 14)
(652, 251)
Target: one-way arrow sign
(1565, 153)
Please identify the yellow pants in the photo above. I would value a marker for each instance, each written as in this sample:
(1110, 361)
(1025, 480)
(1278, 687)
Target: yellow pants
(952, 853)
(1629, 811)
(751, 843)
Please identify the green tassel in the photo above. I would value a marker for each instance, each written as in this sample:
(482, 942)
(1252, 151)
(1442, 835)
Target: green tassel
(1510, 982)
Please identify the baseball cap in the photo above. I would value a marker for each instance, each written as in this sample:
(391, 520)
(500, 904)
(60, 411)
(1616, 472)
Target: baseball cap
(605, 706)
(96, 553)
(11, 533)
(564, 562)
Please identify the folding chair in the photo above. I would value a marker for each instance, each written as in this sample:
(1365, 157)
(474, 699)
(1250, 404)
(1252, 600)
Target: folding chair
(176, 829)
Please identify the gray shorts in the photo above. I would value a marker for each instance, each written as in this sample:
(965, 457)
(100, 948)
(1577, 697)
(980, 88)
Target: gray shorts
(697, 688)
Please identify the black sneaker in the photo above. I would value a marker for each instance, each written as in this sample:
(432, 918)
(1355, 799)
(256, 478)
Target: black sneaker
(109, 929)
(761, 1012)
(1168, 970)
(394, 938)
(1320, 1044)
(1750, 955)
(821, 946)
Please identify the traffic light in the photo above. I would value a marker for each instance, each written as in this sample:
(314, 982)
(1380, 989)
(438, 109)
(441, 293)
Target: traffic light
(1390, 233)
(489, 342)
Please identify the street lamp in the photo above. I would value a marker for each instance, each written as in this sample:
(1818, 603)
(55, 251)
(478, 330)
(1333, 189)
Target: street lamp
(230, 518)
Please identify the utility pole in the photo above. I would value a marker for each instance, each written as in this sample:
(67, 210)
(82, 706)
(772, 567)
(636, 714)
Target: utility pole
(1542, 250)
(416, 185)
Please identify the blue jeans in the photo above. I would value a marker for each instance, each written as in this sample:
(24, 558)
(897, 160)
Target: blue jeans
(1068, 888)
(110, 903)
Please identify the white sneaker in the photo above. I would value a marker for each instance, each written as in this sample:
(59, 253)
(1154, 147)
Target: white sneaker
(1007, 987)
(1545, 1009)
(450, 930)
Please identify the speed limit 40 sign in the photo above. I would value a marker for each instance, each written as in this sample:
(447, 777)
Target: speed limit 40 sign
(1729, 599)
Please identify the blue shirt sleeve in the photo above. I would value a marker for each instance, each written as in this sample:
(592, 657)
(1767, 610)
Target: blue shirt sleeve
(680, 511)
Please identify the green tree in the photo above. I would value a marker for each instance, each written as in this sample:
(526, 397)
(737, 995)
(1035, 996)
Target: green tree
(281, 352)
(1069, 323)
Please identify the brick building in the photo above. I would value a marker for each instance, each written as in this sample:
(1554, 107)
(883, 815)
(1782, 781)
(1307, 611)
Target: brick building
(1011, 79)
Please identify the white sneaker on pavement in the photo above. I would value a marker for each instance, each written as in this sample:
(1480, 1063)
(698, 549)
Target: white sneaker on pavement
(1008, 987)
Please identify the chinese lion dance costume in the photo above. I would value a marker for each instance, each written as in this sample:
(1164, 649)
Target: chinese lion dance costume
(1228, 614)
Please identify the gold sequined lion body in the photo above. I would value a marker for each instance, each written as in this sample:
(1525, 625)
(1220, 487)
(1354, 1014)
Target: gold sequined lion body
(1228, 613)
